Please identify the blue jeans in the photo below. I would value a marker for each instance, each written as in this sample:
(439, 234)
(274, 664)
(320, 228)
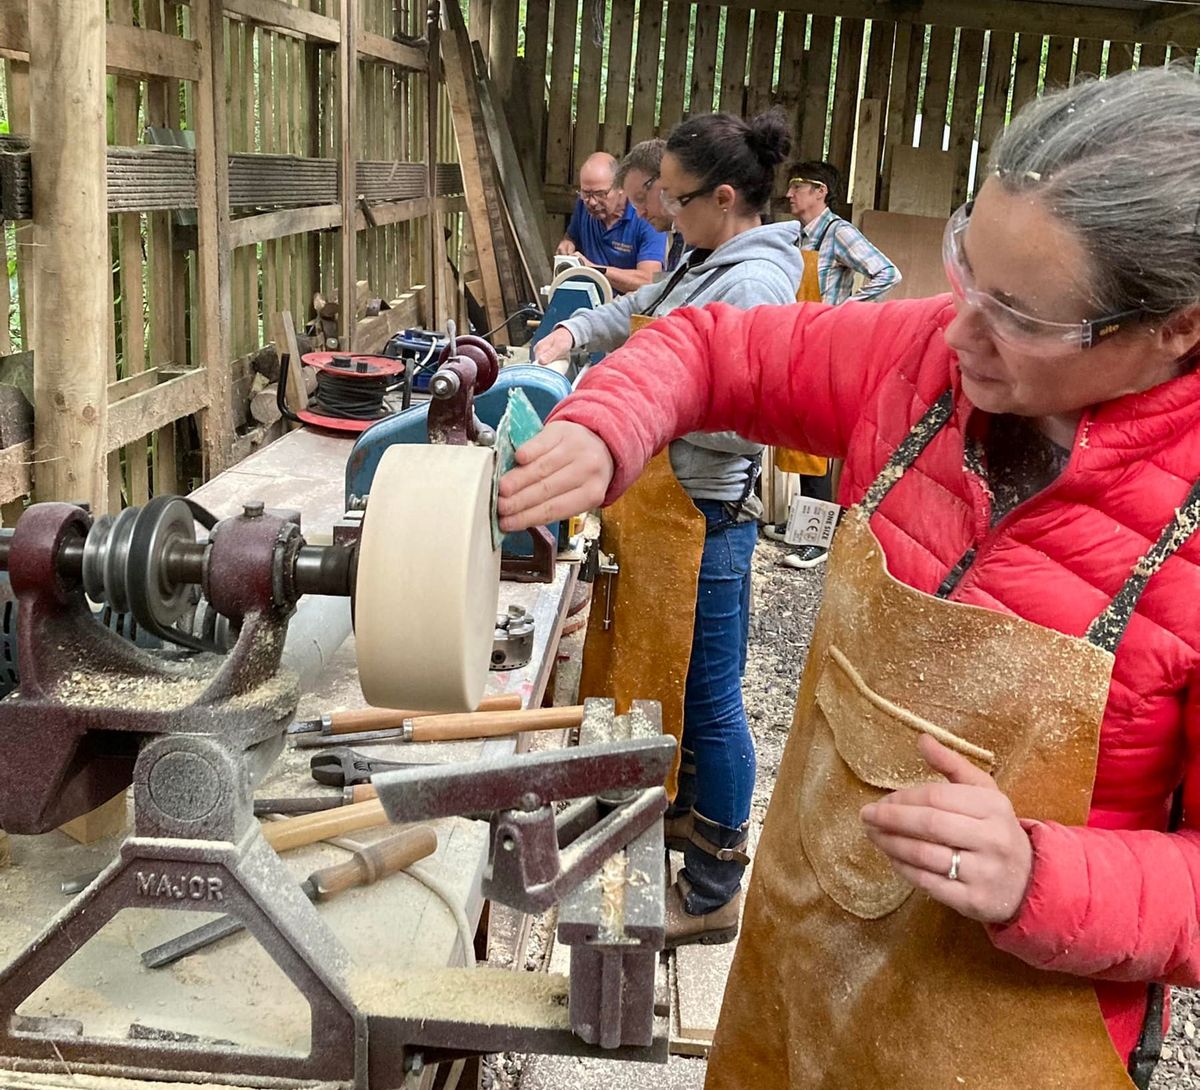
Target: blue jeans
(714, 719)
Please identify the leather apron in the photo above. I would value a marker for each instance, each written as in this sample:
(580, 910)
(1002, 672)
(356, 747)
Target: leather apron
(796, 461)
(845, 977)
(656, 534)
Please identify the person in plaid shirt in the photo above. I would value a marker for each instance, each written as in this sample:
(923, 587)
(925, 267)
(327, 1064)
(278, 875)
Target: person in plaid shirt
(842, 249)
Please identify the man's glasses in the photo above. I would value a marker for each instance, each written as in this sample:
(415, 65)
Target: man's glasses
(674, 205)
(594, 194)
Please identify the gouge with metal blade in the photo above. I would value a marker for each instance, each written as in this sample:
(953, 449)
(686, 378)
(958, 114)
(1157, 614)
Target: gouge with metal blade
(367, 865)
(457, 726)
(364, 719)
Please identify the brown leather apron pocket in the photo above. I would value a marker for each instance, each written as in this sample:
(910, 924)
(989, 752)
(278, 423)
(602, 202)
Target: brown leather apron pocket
(863, 747)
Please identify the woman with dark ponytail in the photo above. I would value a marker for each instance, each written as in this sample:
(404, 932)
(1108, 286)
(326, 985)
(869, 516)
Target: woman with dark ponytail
(689, 529)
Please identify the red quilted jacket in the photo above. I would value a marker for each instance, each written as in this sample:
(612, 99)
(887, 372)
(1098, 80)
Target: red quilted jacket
(1115, 901)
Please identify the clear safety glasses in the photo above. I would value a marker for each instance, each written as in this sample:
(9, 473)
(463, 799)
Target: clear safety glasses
(1015, 328)
(674, 205)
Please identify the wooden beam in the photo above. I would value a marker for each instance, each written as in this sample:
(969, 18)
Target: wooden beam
(70, 239)
(347, 80)
(135, 384)
(129, 51)
(137, 416)
(865, 161)
(392, 212)
(436, 267)
(279, 14)
(1073, 20)
(212, 220)
(289, 221)
(399, 54)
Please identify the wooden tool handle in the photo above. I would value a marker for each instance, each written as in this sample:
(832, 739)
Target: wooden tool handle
(361, 792)
(375, 862)
(382, 718)
(448, 728)
(298, 831)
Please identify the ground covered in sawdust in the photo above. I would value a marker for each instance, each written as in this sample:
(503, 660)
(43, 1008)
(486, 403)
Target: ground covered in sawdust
(785, 607)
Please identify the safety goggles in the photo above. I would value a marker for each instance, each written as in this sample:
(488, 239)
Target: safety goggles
(1024, 332)
(674, 205)
(796, 183)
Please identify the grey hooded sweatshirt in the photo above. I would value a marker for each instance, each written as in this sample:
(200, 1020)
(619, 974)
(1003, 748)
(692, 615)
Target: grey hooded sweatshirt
(759, 266)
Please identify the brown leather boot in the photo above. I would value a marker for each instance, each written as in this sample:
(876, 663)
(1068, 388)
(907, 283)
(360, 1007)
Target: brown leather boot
(678, 820)
(677, 830)
(712, 929)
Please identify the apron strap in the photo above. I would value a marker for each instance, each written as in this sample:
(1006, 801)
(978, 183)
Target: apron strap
(908, 451)
(1107, 629)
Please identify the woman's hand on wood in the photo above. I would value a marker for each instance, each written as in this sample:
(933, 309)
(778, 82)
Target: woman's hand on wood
(923, 829)
(564, 470)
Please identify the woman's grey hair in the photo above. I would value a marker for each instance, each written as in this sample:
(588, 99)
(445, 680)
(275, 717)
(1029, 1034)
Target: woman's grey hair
(1118, 161)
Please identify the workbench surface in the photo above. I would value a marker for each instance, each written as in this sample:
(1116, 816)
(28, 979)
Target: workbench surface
(232, 990)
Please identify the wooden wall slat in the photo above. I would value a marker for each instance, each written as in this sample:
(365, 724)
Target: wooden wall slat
(818, 63)
(965, 109)
(733, 63)
(562, 67)
(906, 42)
(587, 104)
(530, 138)
(912, 84)
(646, 69)
(879, 57)
(845, 94)
(620, 59)
(674, 69)
(1059, 60)
(1029, 60)
(1087, 62)
(1152, 56)
(937, 87)
(995, 92)
(704, 59)
(1120, 58)
(790, 89)
(761, 93)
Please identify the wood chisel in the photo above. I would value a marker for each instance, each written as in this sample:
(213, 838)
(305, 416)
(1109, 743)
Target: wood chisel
(378, 718)
(457, 726)
(367, 865)
(307, 804)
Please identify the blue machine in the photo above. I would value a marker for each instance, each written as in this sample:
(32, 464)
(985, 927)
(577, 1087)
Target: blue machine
(543, 387)
(576, 291)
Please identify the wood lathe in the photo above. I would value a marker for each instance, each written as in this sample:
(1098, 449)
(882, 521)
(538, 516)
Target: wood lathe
(193, 726)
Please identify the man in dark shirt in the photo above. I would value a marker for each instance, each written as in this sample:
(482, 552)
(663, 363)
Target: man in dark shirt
(606, 232)
(638, 178)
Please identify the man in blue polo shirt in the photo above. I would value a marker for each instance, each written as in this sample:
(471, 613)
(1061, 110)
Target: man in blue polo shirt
(607, 233)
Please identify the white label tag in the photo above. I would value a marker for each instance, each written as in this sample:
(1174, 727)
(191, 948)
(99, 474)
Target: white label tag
(812, 522)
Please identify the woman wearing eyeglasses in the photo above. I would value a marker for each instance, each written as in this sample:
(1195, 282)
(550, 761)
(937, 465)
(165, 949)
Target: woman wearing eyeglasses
(683, 538)
(972, 873)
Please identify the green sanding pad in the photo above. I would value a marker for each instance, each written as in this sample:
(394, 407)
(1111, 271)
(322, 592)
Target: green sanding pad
(518, 425)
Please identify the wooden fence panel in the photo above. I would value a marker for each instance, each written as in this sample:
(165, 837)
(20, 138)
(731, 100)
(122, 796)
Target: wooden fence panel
(620, 58)
(845, 94)
(818, 62)
(704, 59)
(674, 69)
(761, 93)
(646, 69)
(733, 63)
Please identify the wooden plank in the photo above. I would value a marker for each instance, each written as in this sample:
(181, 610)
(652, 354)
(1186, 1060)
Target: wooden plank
(134, 384)
(646, 70)
(562, 67)
(70, 237)
(502, 46)
(1025, 78)
(530, 140)
(995, 94)
(704, 59)
(249, 230)
(789, 90)
(817, 66)
(865, 169)
(899, 93)
(700, 975)
(1083, 20)
(912, 76)
(1087, 60)
(436, 250)
(1120, 58)
(587, 98)
(397, 54)
(15, 477)
(914, 243)
(279, 13)
(937, 88)
(133, 51)
(620, 57)
(674, 68)
(733, 62)
(966, 104)
(137, 416)
(845, 95)
(283, 333)
(921, 181)
(481, 23)
(1059, 59)
(478, 173)
(527, 217)
(761, 92)
(879, 58)
(212, 215)
(1151, 56)
(347, 159)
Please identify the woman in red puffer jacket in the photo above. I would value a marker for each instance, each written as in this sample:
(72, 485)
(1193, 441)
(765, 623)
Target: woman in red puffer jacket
(971, 840)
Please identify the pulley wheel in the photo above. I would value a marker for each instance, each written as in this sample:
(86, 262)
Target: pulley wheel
(588, 274)
(428, 579)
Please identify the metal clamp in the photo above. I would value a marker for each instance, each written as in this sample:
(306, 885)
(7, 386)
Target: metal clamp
(512, 646)
(610, 569)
